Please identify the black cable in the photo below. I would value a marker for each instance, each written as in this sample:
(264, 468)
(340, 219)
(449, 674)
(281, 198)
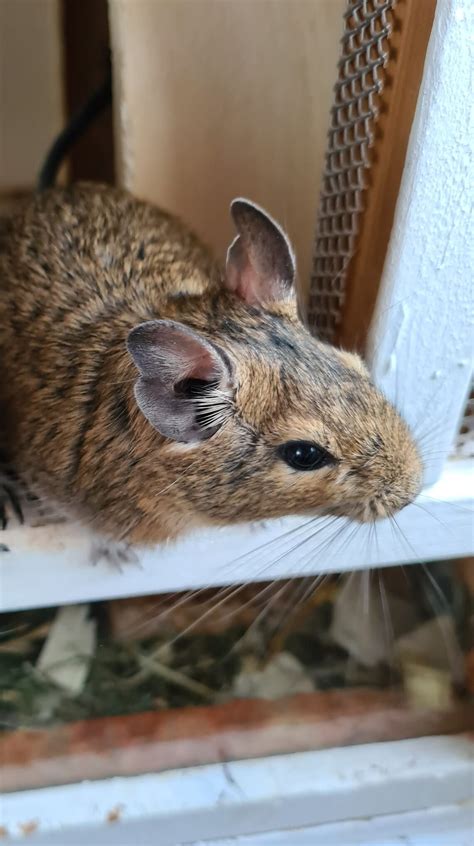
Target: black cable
(101, 98)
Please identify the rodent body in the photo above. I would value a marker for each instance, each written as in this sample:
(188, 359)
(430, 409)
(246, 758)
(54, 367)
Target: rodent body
(186, 426)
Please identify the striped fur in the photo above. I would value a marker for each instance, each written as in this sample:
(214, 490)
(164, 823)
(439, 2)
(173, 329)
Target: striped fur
(79, 267)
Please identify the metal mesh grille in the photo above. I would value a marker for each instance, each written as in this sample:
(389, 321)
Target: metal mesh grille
(364, 55)
(464, 446)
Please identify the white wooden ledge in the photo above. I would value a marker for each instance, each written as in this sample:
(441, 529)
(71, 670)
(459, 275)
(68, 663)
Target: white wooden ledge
(50, 566)
(360, 787)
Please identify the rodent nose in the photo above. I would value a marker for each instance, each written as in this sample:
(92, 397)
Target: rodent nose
(393, 506)
(379, 508)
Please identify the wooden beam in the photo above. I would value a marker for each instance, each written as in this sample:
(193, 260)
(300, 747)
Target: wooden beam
(420, 343)
(413, 21)
(155, 741)
(86, 46)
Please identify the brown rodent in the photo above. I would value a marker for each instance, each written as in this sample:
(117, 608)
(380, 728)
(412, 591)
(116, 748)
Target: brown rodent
(147, 391)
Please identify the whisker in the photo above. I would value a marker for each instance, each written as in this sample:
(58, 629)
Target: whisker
(185, 597)
(293, 548)
(388, 625)
(321, 549)
(438, 591)
(299, 601)
(189, 628)
(452, 653)
(303, 591)
(297, 546)
(366, 592)
(267, 545)
(402, 534)
(432, 401)
(258, 619)
(454, 505)
(433, 516)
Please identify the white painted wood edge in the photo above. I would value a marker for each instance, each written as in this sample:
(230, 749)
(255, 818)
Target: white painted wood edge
(422, 337)
(50, 566)
(244, 797)
(444, 825)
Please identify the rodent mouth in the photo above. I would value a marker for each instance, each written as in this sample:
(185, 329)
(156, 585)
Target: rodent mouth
(373, 510)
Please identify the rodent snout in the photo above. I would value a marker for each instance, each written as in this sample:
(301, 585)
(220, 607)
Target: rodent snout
(384, 496)
(389, 474)
(377, 508)
(385, 505)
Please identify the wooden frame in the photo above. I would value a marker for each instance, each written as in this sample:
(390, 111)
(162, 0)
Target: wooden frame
(86, 47)
(426, 780)
(423, 784)
(412, 20)
(421, 339)
(158, 741)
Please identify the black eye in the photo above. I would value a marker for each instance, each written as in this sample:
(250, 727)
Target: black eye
(303, 455)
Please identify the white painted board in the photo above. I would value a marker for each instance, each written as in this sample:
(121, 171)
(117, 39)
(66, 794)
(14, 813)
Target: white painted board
(445, 825)
(247, 797)
(422, 336)
(50, 566)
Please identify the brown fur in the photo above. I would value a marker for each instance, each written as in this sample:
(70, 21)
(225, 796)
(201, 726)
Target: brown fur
(80, 267)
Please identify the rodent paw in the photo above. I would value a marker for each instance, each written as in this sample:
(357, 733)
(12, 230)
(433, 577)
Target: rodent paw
(115, 554)
(9, 502)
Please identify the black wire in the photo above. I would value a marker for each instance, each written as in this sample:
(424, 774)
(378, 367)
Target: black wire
(99, 100)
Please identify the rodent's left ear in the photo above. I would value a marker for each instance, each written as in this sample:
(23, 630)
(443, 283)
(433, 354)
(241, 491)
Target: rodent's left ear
(185, 385)
(261, 266)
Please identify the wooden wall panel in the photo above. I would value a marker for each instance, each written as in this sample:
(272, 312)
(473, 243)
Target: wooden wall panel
(218, 98)
(86, 48)
(31, 90)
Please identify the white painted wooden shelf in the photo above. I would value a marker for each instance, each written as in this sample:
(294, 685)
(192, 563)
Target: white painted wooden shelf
(51, 565)
(345, 796)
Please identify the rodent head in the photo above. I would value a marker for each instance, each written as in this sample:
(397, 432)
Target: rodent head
(261, 419)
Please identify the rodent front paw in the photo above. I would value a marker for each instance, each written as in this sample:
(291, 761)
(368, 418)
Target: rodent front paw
(9, 502)
(115, 554)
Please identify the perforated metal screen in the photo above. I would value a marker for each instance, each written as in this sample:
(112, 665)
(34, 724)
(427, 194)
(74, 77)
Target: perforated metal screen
(364, 55)
(365, 52)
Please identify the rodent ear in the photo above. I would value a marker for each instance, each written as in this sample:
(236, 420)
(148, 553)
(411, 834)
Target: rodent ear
(261, 265)
(185, 384)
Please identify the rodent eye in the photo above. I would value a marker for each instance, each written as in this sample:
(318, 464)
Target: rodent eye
(304, 455)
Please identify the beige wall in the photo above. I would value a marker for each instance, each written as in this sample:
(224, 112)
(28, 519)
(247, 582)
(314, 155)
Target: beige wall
(31, 110)
(218, 98)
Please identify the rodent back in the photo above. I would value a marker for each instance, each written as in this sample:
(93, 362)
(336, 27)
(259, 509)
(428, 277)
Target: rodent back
(80, 267)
